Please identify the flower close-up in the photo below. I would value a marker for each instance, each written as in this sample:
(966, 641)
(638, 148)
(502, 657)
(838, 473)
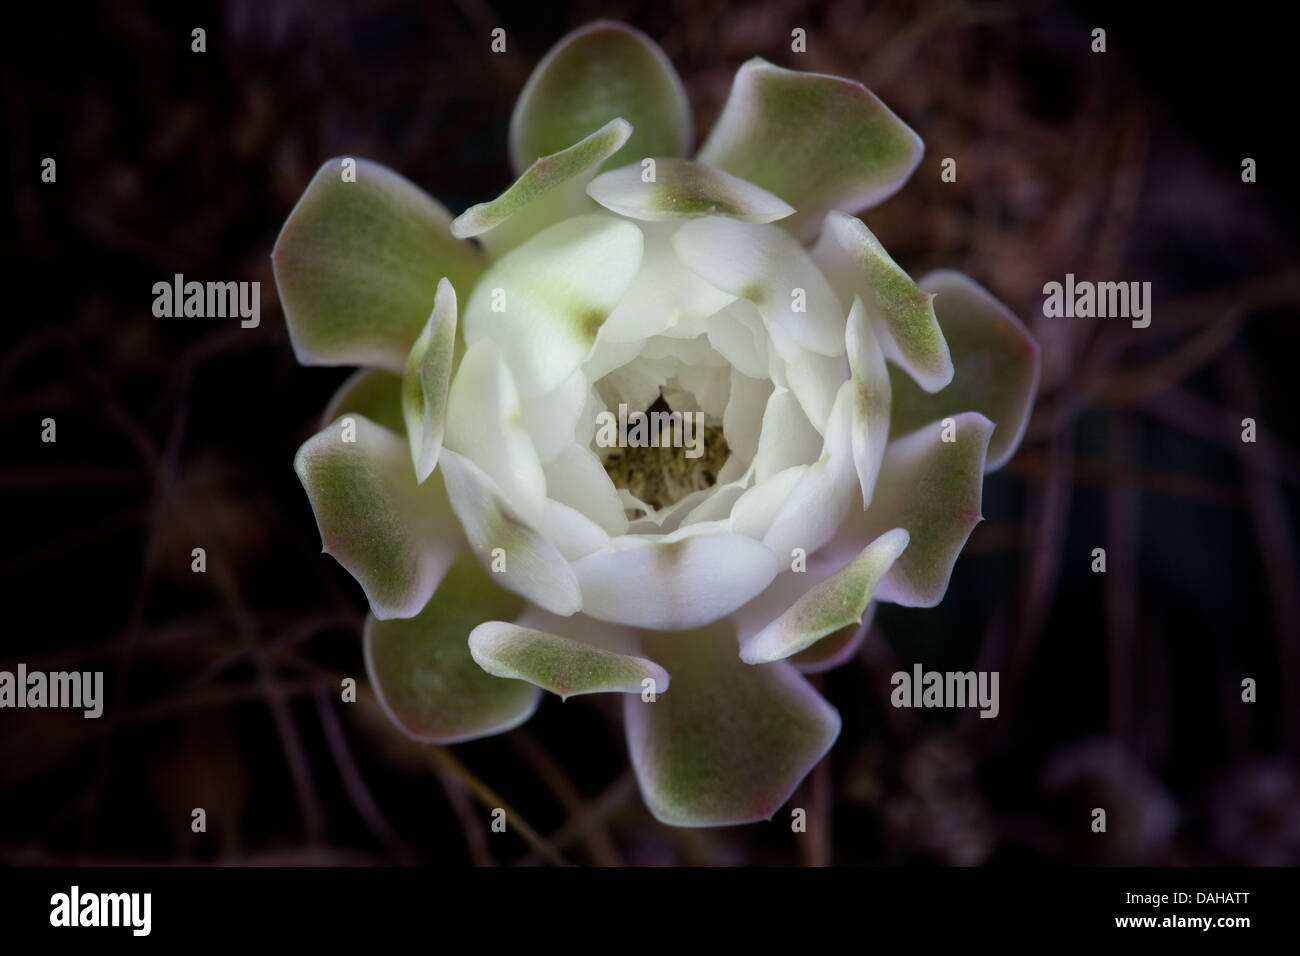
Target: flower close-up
(660, 420)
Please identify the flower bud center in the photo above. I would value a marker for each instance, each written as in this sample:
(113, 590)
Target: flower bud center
(660, 466)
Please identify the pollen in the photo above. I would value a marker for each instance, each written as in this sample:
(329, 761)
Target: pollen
(663, 474)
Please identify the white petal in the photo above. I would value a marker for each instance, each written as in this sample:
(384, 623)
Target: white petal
(634, 504)
(607, 356)
(815, 379)
(636, 384)
(684, 580)
(709, 385)
(573, 533)
(534, 568)
(687, 350)
(767, 266)
(737, 333)
(664, 293)
(553, 420)
(819, 503)
(787, 438)
(742, 422)
(717, 506)
(758, 507)
(584, 432)
(871, 399)
(555, 292)
(484, 425)
(577, 478)
(674, 516)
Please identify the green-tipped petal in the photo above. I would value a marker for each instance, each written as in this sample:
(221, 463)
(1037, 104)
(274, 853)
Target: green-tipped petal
(681, 189)
(900, 311)
(427, 380)
(551, 189)
(601, 71)
(527, 563)
(819, 142)
(560, 664)
(423, 673)
(357, 265)
(996, 364)
(834, 649)
(933, 488)
(395, 537)
(767, 266)
(871, 398)
(729, 742)
(829, 606)
(373, 392)
(544, 302)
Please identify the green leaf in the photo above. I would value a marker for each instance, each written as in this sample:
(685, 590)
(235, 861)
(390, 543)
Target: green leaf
(427, 381)
(551, 189)
(819, 142)
(394, 536)
(600, 72)
(901, 313)
(834, 649)
(681, 189)
(422, 670)
(373, 392)
(358, 263)
(562, 665)
(932, 487)
(996, 366)
(730, 741)
(830, 605)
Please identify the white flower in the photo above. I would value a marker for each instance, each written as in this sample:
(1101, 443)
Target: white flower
(799, 478)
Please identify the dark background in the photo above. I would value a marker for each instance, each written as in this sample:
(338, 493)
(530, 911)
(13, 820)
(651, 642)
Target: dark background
(1119, 690)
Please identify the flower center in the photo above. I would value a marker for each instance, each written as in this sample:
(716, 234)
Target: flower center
(668, 462)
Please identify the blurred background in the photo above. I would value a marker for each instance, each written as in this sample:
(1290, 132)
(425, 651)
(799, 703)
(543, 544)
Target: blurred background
(1120, 690)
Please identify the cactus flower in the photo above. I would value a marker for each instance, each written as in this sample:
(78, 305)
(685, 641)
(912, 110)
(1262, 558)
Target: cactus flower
(644, 424)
